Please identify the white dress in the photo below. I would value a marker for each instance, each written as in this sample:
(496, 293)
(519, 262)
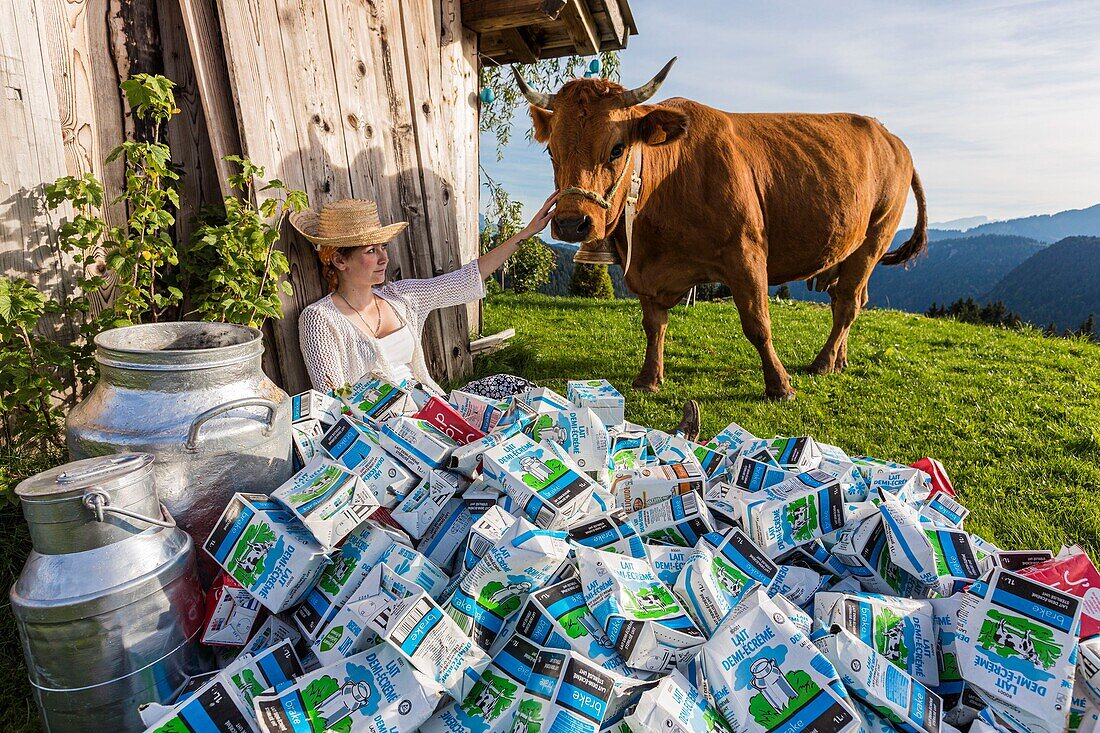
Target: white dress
(338, 353)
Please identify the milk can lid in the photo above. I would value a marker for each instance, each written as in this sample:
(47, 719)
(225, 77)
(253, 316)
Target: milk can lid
(105, 472)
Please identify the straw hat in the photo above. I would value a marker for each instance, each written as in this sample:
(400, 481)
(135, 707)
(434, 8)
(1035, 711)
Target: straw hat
(345, 223)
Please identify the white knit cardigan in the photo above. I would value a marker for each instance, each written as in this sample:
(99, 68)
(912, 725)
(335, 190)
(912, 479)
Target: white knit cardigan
(337, 352)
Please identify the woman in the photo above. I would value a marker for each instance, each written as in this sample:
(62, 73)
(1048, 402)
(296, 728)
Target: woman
(367, 324)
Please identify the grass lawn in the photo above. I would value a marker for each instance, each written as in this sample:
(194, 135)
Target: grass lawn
(1014, 417)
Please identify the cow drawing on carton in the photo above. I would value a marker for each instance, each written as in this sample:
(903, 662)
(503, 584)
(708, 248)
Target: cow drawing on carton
(892, 646)
(252, 553)
(1019, 643)
(491, 697)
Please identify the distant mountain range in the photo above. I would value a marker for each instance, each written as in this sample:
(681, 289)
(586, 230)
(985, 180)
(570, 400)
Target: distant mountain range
(1057, 284)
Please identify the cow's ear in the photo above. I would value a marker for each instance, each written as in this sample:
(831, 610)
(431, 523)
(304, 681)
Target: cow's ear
(540, 119)
(659, 126)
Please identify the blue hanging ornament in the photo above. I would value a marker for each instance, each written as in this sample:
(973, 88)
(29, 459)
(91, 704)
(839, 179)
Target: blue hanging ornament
(487, 95)
(594, 66)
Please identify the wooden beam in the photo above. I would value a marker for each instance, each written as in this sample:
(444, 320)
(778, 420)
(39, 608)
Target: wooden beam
(518, 45)
(491, 343)
(615, 17)
(481, 16)
(582, 29)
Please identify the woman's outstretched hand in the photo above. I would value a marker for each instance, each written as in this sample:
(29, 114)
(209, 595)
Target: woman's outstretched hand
(541, 219)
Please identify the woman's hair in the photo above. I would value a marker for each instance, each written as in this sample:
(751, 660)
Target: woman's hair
(332, 275)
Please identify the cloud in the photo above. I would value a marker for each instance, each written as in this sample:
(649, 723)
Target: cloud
(998, 101)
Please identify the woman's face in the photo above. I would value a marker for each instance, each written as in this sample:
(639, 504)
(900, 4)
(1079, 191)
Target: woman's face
(363, 266)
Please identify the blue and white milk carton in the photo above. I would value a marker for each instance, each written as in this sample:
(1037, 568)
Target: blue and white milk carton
(599, 395)
(328, 499)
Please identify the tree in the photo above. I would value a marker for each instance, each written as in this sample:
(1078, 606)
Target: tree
(591, 281)
(530, 267)
(783, 293)
(1088, 326)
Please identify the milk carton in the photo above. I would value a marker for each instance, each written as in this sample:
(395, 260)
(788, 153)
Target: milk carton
(752, 474)
(376, 691)
(481, 412)
(445, 418)
(675, 706)
(524, 559)
(668, 561)
(465, 460)
(304, 437)
(581, 434)
(559, 617)
(428, 638)
(267, 550)
(543, 482)
(765, 675)
(899, 629)
(357, 447)
(904, 482)
(730, 439)
(485, 532)
(798, 584)
(1016, 641)
(674, 449)
(680, 521)
(944, 510)
(231, 612)
(328, 499)
(640, 614)
(956, 563)
(415, 567)
(418, 510)
(417, 444)
(359, 553)
(872, 678)
(796, 454)
(611, 532)
(313, 405)
(375, 399)
(271, 632)
(599, 395)
(910, 548)
(636, 489)
(492, 702)
(543, 399)
(446, 535)
(945, 612)
(566, 692)
(629, 448)
(720, 572)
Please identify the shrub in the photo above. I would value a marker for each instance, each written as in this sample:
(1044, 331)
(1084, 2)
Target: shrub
(591, 281)
(529, 268)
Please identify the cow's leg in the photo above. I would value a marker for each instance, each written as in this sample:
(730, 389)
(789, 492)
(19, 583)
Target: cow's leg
(655, 322)
(750, 293)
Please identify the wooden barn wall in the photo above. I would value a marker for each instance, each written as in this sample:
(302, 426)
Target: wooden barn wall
(369, 100)
(340, 98)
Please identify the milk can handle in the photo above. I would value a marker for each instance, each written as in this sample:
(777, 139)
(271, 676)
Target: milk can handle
(193, 434)
(100, 503)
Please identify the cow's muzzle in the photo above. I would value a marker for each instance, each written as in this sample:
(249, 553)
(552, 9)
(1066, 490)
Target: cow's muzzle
(572, 228)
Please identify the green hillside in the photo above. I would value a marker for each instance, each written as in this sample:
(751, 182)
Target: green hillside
(1056, 284)
(1014, 417)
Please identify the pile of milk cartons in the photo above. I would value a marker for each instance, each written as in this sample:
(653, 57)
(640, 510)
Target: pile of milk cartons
(537, 563)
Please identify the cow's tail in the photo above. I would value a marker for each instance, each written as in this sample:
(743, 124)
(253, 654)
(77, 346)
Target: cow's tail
(917, 243)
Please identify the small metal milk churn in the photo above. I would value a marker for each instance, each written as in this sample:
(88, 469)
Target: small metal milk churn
(108, 606)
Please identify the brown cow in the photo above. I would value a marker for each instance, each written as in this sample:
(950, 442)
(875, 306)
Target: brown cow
(749, 200)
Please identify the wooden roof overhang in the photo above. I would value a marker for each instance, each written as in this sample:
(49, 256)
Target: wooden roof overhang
(524, 31)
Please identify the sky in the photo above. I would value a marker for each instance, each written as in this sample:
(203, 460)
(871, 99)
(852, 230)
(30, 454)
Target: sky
(998, 101)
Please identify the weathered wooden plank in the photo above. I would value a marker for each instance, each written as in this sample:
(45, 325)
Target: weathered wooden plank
(581, 27)
(491, 343)
(614, 20)
(517, 42)
(482, 16)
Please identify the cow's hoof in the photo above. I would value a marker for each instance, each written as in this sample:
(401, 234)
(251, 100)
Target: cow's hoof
(820, 367)
(780, 395)
(646, 385)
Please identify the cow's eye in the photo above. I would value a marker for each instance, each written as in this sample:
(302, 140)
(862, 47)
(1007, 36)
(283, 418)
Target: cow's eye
(617, 151)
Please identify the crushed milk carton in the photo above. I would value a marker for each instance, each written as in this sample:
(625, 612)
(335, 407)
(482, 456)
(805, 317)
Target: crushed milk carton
(373, 398)
(375, 691)
(492, 702)
(798, 584)
(417, 444)
(559, 617)
(599, 395)
(415, 567)
(581, 434)
(730, 439)
(764, 674)
(675, 706)
(481, 412)
(668, 561)
(752, 474)
(224, 702)
(1016, 642)
(612, 532)
(465, 460)
(675, 449)
(863, 552)
(872, 678)
(359, 553)
(271, 632)
(945, 612)
(798, 510)
(231, 612)
(638, 488)
(357, 446)
(719, 573)
(446, 535)
(900, 629)
(944, 510)
(640, 614)
(485, 532)
(314, 405)
(910, 548)
(418, 510)
(629, 448)
(449, 421)
(428, 638)
(681, 520)
(904, 482)
(304, 437)
(523, 559)
(566, 692)
(957, 565)
(543, 399)
(267, 550)
(796, 454)
(328, 499)
(543, 482)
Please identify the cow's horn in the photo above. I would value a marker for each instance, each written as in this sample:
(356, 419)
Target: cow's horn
(546, 101)
(647, 90)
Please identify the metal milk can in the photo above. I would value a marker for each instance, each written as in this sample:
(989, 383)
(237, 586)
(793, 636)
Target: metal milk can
(108, 606)
(195, 396)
